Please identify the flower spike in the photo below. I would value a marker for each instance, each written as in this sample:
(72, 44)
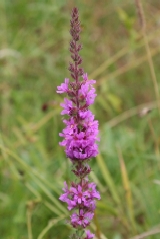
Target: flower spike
(80, 137)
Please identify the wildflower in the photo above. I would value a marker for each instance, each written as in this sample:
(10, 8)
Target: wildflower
(89, 235)
(80, 136)
(81, 219)
(63, 88)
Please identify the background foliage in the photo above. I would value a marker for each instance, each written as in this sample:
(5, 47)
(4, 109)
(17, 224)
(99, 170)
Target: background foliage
(34, 56)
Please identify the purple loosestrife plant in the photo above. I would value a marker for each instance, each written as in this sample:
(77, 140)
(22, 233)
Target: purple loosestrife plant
(80, 136)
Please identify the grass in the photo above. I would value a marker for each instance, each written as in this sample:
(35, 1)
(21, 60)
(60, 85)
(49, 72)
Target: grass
(34, 57)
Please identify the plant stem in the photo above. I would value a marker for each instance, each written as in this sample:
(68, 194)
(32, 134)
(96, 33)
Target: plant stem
(149, 56)
(29, 224)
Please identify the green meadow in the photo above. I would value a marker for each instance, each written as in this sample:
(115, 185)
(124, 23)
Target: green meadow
(121, 51)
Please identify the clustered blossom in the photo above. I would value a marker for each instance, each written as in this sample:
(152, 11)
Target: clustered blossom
(80, 136)
(81, 130)
(83, 194)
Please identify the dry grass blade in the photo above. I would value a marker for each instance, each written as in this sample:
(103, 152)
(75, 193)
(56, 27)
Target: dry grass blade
(130, 113)
(108, 179)
(109, 61)
(148, 51)
(127, 189)
(147, 234)
(155, 138)
(121, 53)
(36, 126)
(129, 66)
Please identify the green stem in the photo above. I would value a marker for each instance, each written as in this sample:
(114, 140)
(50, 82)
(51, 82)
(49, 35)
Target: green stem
(49, 226)
(29, 224)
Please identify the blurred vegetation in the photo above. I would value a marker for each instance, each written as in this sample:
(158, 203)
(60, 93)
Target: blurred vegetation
(34, 56)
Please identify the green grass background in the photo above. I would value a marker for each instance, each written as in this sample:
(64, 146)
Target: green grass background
(34, 56)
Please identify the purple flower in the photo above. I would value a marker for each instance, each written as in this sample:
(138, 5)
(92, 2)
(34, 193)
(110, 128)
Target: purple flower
(64, 196)
(71, 204)
(67, 196)
(80, 145)
(91, 205)
(83, 195)
(79, 195)
(68, 107)
(87, 92)
(93, 192)
(81, 150)
(63, 88)
(89, 235)
(82, 219)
